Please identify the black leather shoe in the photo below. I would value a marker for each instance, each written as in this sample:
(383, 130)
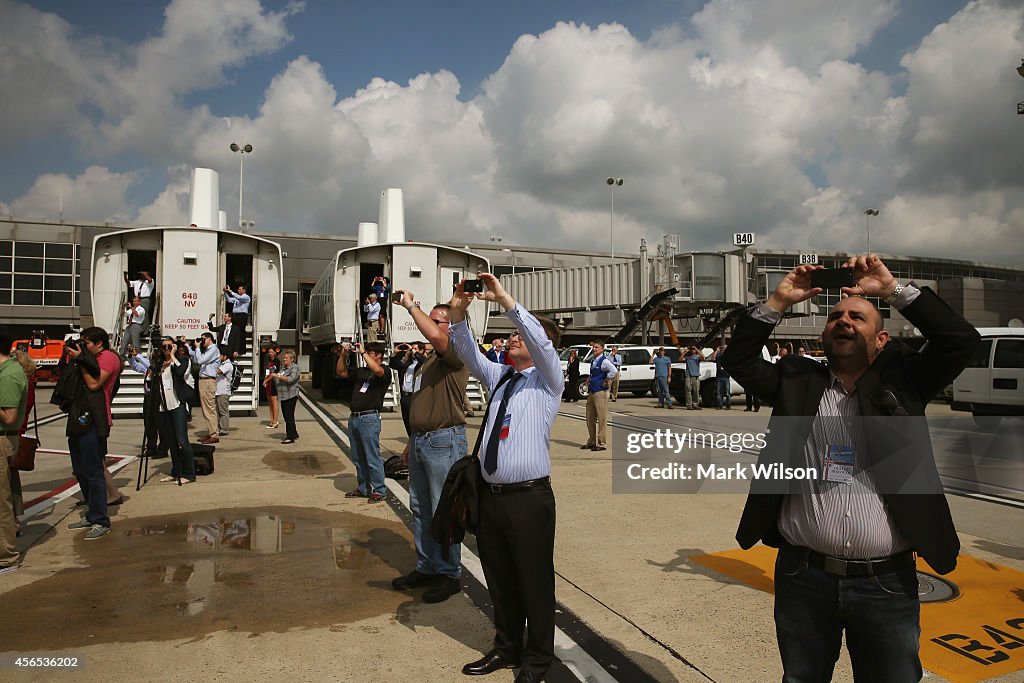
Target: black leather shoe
(490, 663)
(442, 590)
(413, 579)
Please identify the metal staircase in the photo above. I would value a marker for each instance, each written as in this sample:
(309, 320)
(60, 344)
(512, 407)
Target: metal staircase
(131, 396)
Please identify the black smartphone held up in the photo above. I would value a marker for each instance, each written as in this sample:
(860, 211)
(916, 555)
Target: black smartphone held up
(473, 286)
(832, 278)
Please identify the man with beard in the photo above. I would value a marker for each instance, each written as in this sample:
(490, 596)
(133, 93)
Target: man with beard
(847, 539)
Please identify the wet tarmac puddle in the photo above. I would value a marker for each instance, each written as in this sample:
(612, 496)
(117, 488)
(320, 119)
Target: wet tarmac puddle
(303, 462)
(188, 575)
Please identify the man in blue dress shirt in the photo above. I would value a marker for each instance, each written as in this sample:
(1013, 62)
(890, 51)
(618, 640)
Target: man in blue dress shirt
(516, 529)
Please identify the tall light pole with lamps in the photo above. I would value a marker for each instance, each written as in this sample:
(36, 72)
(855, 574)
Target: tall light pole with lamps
(868, 213)
(242, 151)
(612, 183)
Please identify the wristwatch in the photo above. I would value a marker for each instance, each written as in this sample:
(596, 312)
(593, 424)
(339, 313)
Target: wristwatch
(891, 299)
(414, 304)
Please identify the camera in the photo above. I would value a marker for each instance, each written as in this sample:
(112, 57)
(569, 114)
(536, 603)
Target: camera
(396, 297)
(74, 344)
(473, 286)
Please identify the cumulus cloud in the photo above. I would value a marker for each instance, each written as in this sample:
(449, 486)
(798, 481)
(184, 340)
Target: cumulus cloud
(748, 116)
(97, 194)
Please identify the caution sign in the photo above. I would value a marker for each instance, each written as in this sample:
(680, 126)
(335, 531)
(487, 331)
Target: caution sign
(976, 635)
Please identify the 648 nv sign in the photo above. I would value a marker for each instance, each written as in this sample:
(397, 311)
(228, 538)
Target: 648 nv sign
(743, 239)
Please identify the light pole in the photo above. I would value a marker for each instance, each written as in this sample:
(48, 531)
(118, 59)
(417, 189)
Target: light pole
(612, 183)
(513, 258)
(868, 213)
(242, 151)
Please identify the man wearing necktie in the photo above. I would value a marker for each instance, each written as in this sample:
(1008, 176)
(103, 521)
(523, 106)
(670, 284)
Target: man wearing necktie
(228, 334)
(240, 302)
(516, 529)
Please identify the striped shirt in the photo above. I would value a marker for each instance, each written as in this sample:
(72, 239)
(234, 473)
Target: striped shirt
(208, 360)
(239, 302)
(839, 519)
(534, 403)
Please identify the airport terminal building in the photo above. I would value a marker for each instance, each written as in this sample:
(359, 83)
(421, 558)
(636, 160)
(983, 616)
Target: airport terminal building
(44, 283)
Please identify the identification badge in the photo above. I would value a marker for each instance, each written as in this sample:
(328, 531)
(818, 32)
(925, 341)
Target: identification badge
(363, 389)
(505, 424)
(839, 464)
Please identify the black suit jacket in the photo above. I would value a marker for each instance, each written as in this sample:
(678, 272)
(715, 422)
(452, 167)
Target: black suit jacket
(234, 342)
(900, 448)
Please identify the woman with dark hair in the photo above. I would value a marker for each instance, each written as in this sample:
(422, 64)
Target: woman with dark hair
(572, 367)
(87, 430)
(270, 366)
(172, 375)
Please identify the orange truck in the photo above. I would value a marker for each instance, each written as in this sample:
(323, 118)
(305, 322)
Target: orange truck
(45, 352)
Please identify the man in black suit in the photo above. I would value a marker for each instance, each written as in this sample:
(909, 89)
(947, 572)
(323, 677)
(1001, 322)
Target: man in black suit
(227, 334)
(847, 539)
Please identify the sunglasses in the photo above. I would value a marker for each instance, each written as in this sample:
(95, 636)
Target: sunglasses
(887, 401)
(441, 322)
(515, 333)
(168, 346)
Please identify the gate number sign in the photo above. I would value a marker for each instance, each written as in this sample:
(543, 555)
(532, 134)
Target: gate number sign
(743, 239)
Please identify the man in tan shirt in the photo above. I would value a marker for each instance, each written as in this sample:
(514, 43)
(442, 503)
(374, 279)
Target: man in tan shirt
(437, 420)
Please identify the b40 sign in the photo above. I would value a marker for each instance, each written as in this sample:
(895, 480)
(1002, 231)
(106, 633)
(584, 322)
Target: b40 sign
(743, 239)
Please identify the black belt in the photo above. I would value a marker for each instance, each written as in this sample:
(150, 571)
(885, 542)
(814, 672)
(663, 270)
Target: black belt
(854, 568)
(518, 486)
(363, 412)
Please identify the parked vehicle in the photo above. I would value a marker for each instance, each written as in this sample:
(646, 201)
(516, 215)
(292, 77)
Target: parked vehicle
(992, 385)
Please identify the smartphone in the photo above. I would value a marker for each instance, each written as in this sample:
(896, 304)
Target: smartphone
(473, 286)
(832, 278)
(396, 297)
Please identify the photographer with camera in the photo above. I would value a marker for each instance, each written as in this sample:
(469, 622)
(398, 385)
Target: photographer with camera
(171, 373)
(134, 316)
(89, 422)
(371, 307)
(143, 289)
(438, 422)
(369, 384)
(204, 351)
(406, 360)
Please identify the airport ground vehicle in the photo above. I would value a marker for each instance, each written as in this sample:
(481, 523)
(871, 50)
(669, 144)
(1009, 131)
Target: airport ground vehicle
(429, 271)
(45, 352)
(992, 385)
(191, 265)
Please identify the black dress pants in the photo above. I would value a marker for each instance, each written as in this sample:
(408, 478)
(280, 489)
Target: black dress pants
(516, 539)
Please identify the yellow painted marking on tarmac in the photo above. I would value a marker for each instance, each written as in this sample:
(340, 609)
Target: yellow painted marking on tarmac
(976, 636)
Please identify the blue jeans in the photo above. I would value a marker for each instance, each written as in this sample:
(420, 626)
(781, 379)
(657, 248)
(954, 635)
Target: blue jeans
(723, 389)
(664, 399)
(364, 435)
(431, 456)
(880, 614)
(175, 430)
(87, 453)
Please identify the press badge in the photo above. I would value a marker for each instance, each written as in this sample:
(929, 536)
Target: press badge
(505, 424)
(363, 389)
(839, 464)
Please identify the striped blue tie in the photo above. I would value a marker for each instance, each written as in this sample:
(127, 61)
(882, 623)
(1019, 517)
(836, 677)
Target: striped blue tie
(491, 453)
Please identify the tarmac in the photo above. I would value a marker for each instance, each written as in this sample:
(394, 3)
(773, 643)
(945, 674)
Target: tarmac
(264, 571)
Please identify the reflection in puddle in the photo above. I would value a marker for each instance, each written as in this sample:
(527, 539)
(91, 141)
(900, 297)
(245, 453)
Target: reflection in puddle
(304, 568)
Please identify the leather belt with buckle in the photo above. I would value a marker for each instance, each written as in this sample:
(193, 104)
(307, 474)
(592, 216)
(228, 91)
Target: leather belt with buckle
(854, 568)
(364, 412)
(518, 486)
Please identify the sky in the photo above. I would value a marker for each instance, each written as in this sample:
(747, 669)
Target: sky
(786, 118)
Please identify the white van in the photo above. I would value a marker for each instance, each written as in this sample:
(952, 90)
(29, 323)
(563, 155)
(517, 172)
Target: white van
(992, 385)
